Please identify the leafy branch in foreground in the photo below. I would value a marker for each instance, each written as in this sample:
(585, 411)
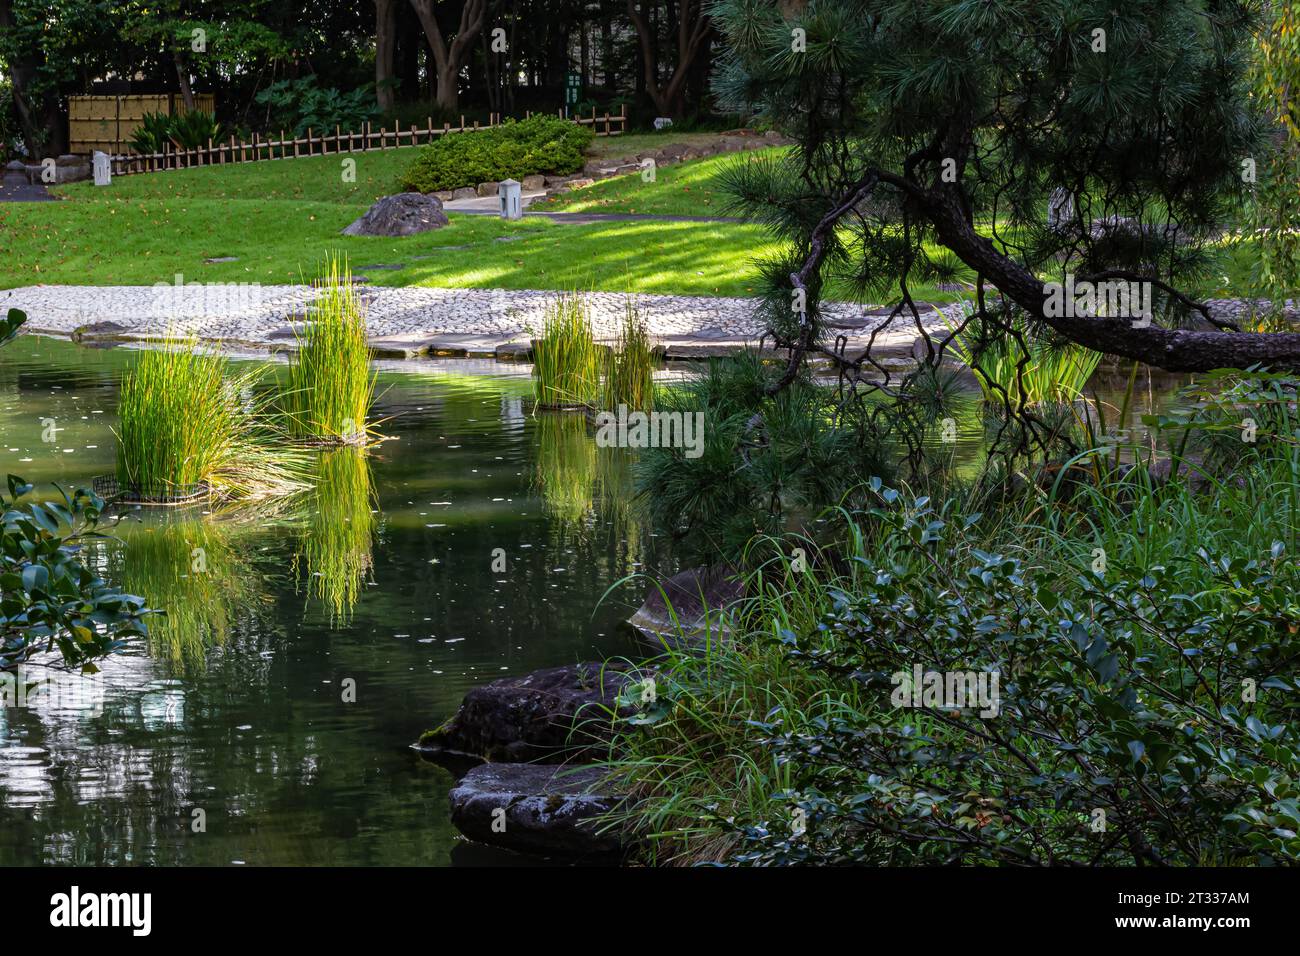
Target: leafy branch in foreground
(49, 599)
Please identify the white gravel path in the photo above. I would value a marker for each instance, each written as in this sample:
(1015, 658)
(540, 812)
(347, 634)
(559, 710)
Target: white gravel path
(415, 320)
(263, 314)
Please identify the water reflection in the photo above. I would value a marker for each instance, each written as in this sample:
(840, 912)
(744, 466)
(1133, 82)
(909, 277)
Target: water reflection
(198, 570)
(565, 473)
(336, 555)
(381, 576)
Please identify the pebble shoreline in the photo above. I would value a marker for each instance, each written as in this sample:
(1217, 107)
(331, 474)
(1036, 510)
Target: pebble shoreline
(413, 321)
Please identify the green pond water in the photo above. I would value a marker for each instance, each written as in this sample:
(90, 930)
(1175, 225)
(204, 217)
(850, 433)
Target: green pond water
(235, 704)
(380, 579)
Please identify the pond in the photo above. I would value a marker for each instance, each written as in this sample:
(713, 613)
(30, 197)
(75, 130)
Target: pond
(236, 704)
(308, 644)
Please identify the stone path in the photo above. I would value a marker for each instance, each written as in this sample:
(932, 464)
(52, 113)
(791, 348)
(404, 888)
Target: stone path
(407, 322)
(412, 321)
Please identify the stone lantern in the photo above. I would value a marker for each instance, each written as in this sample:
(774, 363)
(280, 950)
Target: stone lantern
(511, 199)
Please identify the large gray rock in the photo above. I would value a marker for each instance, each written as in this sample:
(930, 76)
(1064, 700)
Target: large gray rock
(536, 808)
(554, 714)
(686, 610)
(405, 214)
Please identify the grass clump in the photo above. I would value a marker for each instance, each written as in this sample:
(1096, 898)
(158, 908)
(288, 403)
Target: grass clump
(188, 422)
(1036, 373)
(566, 359)
(629, 366)
(331, 384)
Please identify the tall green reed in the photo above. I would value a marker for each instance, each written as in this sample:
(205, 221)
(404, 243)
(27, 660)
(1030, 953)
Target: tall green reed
(629, 366)
(566, 359)
(187, 419)
(331, 384)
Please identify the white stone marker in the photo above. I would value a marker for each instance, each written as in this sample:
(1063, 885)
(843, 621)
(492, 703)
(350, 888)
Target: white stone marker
(511, 199)
(103, 169)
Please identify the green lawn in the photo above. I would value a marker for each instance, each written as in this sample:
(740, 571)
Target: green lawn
(118, 241)
(280, 218)
(682, 189)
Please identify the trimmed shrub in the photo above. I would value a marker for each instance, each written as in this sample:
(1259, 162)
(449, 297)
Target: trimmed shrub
(539, 144)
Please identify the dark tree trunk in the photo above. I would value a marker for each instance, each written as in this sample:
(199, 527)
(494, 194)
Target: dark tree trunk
(449, 58)
(385, 39)
(692, 29)
(39, 114)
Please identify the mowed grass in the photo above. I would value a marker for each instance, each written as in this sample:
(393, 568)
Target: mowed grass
(114, 241)
(682, 189)
(279, 219)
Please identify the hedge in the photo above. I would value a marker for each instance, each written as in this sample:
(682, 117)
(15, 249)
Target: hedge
(539, 144)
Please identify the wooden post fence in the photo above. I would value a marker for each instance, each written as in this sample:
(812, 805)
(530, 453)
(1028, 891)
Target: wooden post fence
(324, 144)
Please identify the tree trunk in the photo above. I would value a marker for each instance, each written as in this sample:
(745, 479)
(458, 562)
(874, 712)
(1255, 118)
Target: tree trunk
(39, 116)
(183, 81)
(693, 28)
(385, 40)
(1174, 350)
(450, 58)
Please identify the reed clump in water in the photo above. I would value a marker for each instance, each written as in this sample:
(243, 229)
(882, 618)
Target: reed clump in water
(566, 359)
(187, 421)
(629, 366)
(331, 385)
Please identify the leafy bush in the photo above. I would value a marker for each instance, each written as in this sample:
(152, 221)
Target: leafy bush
(195, 129)
(299, 105)
(190, 130)
(539, 144)
(1145, 705)
(49, 600)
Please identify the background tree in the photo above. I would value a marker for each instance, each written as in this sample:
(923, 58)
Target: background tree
(915, 120)
(450, 57)
(690, 28)
(1277, 206)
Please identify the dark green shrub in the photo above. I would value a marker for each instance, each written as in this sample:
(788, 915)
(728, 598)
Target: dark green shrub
(1145, 704)
(299, 105)
(49, 600)
(195, 129)
(539, 144)
(1142, 717)
(153, 134)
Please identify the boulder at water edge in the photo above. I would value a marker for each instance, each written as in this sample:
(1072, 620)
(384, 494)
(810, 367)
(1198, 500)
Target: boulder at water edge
(686, 610)
(405, 214)
(537, 808)
(553, 714)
